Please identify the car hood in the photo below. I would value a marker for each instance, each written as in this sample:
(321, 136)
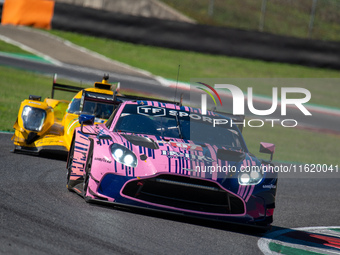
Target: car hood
(177, 156)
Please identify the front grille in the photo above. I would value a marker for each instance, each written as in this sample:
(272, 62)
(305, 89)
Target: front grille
(184, 193)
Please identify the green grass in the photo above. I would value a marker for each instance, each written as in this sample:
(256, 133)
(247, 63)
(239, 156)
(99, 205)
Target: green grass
(164, 62)
(12, 50)
(294, 145)
(9, 48)
(290, 18)
(25, 84)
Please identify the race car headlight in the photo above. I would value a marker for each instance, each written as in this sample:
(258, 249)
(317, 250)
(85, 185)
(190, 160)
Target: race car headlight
(123, 155)
(33, 118)
(252, 178)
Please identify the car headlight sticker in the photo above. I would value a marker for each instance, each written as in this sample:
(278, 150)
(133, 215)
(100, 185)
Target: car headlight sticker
(123, 155)
(255, 175)
(250, 178)
(128, 159)
(33, 118)
(118, 153)
(244, 178)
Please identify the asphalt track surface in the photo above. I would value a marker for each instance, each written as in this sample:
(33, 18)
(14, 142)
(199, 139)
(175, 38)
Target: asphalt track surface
(38, 215)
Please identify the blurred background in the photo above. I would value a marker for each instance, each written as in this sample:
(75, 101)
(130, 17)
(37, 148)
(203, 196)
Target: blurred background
(317, 19)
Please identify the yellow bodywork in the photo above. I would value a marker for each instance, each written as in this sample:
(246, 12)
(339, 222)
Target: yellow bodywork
(57, 128)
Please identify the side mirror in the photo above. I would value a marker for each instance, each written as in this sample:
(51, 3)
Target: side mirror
(86, 119)
(268, 148)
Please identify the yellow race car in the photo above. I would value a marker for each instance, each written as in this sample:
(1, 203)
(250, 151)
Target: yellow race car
(49, 125)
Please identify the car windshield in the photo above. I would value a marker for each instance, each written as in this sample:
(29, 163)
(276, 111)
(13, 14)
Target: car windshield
(97, 109)
(98, 105)
(178, 124)
(74, 106)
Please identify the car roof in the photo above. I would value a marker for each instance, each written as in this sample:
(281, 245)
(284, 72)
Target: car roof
(95, 90)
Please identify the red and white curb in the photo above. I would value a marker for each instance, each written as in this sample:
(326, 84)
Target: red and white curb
(305, 241)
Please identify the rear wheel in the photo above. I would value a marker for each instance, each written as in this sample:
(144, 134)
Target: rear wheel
(15, 150)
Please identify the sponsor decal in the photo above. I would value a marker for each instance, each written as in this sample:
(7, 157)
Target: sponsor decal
(151, 111)
(104, 160)
(185, 146)
(31, 102)
(175, 154)
(71, 125)
(270, 186)
(48, 141)
(189, 170)
(159, 112)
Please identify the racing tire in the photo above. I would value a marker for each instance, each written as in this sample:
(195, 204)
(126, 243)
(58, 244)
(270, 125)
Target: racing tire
(70, 183)
(15, 150)
(87, 175)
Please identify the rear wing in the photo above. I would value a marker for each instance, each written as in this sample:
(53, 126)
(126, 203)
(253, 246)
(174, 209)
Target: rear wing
(139, 98)
(63, 87)
(117, 98)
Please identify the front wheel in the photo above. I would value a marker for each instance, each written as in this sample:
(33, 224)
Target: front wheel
(87, 173)
(69, 183)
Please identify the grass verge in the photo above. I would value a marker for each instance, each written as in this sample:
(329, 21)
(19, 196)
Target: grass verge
(290, 18)
(295, 145)
(164, 62)
(16, 85)
(9, 48)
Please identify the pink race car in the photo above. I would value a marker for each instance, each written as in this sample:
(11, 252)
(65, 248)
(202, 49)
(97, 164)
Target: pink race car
(168, 157)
